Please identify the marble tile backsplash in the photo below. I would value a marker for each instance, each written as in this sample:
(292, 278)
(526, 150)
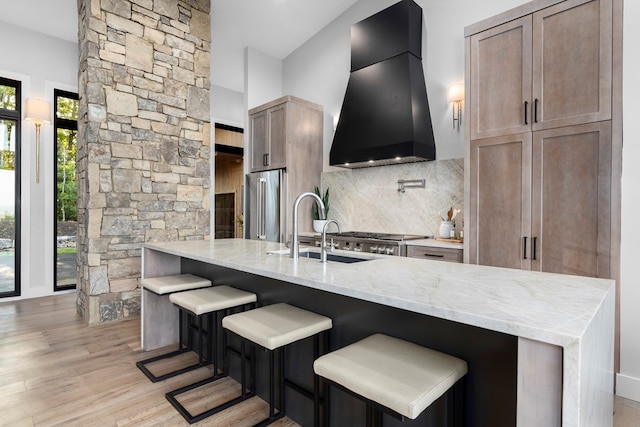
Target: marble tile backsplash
(368, 199)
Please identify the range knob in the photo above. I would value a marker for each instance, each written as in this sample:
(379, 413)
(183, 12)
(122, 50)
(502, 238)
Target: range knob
(381, 249)
(346, 246)
(390, 250)
(357, 248)
(373, 249)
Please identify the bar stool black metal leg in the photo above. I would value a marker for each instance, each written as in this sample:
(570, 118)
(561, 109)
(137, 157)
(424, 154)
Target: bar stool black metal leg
(200, 340)
(213, 345)
(225, 352)
(373, 417)
(180, 339)
(271, 383)
(181, 349)
(282, 356)
(243, 368)
(455, 401)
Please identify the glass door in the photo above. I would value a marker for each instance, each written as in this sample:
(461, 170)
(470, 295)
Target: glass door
(66, 190)
(10, 113)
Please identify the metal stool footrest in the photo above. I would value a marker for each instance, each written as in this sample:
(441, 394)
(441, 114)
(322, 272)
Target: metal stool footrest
(142, 365)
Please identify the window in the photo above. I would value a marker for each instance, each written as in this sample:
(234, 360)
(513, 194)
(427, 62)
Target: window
(10, 116)
(66, 191)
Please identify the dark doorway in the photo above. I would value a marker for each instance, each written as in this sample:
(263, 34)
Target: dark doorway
(225, 216)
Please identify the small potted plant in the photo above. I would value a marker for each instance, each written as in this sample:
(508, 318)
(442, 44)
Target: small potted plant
(317, 222)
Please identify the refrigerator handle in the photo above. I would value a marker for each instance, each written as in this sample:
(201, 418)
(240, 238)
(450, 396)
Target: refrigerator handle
(261, 196)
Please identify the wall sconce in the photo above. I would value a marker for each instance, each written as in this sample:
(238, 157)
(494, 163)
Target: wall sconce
(456, 96)
(37, 111)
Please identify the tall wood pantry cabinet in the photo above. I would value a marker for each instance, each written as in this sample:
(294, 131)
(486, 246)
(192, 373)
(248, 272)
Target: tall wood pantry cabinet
(286, 133)
(539, 140)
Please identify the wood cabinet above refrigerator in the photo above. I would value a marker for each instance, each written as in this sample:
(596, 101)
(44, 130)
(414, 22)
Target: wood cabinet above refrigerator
(284, 132)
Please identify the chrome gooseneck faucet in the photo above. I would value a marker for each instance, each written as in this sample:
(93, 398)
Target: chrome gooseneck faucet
(295, 244)
(324, 247)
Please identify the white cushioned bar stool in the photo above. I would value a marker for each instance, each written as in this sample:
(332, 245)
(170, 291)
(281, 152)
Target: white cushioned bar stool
(273, 327)
(166, 285)
(393, 376)
(210, 302)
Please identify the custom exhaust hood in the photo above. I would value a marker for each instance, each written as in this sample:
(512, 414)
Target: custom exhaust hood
(385, 116)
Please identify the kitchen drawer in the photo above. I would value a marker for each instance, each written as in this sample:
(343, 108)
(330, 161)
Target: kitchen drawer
(436, 254)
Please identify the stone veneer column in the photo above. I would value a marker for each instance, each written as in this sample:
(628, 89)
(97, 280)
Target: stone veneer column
(143, 141)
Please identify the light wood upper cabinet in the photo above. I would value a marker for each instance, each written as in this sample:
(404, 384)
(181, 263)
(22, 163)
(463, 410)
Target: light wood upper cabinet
(544, 70)
(500, 201)
(268, 138)
(572, 63)
(501, 79)
(258, 139)
(282, 129)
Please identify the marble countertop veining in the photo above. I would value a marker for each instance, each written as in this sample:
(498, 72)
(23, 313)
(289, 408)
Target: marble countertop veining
(546, 307)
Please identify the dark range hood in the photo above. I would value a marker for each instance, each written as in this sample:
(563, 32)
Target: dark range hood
(385, 116)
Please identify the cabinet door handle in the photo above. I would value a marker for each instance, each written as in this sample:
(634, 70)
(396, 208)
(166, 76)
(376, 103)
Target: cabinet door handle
(526, 114)
(524, 247)
(535, 113)
(535, 241)
(434, 255)
(266, 159)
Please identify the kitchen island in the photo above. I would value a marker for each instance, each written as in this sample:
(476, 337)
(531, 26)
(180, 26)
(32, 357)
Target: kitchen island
(539, 345)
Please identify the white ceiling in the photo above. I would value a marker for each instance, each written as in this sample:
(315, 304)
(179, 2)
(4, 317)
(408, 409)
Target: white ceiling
(275, 27)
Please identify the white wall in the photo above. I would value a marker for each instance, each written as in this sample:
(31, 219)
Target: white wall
(227, 106)
(628, 384)
(319, 70)
(41, 63)
(263, 77)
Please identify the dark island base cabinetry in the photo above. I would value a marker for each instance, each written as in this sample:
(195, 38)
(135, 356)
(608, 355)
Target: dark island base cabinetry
(490, 387)
(533, 359)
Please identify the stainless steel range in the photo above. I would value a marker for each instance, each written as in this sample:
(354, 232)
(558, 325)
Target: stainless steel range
(375, 243)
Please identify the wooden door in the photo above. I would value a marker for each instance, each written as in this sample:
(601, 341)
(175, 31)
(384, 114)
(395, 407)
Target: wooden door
(500, 201)
(571, 214)
(258, 140)
(572, 63)
(277, 157)
(500, 80)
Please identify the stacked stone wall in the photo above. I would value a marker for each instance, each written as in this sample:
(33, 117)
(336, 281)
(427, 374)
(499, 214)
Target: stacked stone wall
(143, 141)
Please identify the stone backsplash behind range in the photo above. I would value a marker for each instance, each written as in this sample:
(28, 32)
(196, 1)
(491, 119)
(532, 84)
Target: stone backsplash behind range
(368, 199)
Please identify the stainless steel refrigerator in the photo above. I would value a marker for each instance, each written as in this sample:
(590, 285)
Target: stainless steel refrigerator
(265, 216)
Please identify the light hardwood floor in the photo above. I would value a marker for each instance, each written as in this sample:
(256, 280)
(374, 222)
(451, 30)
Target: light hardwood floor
(55, 370)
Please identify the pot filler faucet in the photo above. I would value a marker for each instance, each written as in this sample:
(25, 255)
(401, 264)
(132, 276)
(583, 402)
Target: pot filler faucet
(295, 244)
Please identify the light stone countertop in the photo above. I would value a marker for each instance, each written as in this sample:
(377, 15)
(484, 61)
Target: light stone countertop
(433, 243)
(551, 308)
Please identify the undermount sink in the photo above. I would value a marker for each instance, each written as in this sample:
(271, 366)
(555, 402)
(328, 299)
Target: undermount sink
(306, 253)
